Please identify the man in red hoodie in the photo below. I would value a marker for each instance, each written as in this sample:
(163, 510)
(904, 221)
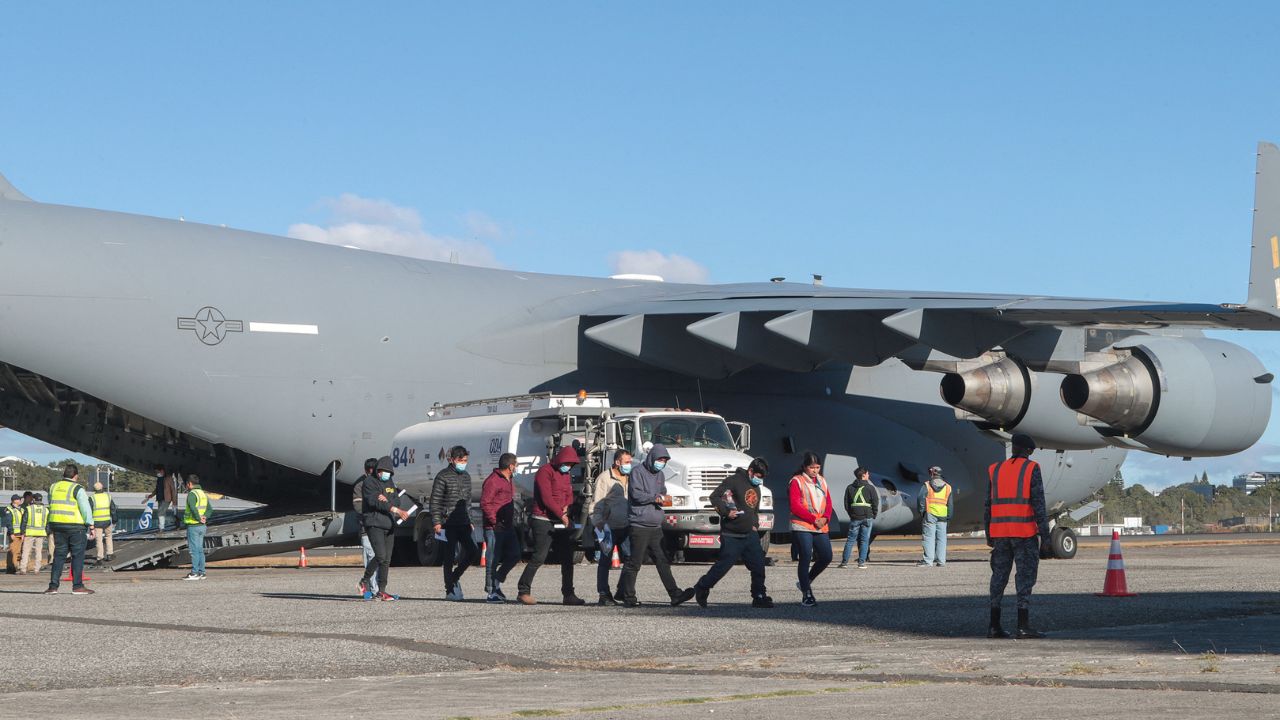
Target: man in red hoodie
(499, 503)
(552, 527)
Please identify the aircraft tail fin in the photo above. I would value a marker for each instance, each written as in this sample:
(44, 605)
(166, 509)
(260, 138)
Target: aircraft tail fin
(1264, 260)
(9, 192)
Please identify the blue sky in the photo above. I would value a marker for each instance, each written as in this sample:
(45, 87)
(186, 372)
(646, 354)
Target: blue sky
(1107, 149)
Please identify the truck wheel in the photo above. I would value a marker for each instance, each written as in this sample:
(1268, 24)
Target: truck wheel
(671, 548)
(1063, 542)
(429, 551)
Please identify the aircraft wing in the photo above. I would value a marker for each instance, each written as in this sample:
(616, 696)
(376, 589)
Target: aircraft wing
(716, 331)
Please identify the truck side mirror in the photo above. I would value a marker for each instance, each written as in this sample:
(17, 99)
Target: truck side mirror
(741, 435)
(611, 434)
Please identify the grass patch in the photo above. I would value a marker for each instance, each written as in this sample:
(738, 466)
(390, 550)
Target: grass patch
(1081, 669)
(1210, 662)
(538, 713)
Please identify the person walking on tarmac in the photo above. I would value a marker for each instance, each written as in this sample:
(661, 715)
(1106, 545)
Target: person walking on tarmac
(35, 532)
(1017, 528)
(196, 520)
(737, 500)
(357, 504)
(552, 527)
(70, 520)
(14, 510)
(380, 514)
(863, 505)
(609, 511)
(810, 524)
(451, 514)
(104, 521)
(647, 493)
(935, 507)
(500, 506)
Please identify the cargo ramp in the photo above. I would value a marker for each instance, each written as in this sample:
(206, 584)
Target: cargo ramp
(235, 538)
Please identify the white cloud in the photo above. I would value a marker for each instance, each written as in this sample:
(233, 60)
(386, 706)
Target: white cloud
(483, 227)
(382, 226)
(672, 268)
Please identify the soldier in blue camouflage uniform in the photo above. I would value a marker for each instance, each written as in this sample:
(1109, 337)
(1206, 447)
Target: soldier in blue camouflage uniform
(1024, 553)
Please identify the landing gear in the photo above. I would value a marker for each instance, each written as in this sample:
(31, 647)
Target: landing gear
(1062, 543)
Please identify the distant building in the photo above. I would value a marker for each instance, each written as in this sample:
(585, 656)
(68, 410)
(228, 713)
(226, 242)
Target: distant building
(1250, 482)
(1204, 491)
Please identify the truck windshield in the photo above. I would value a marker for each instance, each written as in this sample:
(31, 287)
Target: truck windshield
(686, 431)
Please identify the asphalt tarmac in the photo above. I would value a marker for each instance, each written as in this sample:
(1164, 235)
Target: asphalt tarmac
(1202, 639)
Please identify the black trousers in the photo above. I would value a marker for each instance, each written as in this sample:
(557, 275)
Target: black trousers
(459, 552)
(731, 549)
(647, 541)
(382, 540)
(67, 536)
(545, 540)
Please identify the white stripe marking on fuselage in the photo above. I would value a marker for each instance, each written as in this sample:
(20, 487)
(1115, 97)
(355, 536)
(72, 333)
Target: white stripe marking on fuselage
(283, 328)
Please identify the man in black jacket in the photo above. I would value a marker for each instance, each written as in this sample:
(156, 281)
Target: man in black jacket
(357, 504)
(380, 514)
(451, 514)
(863, 505)
(737, 500)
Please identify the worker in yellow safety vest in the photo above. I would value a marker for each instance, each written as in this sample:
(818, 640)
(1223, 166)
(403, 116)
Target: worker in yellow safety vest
(35, 522)
(935, 506)
(104, 521)
(70, 520)
(196, 518)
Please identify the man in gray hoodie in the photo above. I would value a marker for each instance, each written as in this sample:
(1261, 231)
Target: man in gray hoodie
(647, 494)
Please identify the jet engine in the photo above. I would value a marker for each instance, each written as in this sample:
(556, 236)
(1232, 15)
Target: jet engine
(1003, 396)
(1194, 397)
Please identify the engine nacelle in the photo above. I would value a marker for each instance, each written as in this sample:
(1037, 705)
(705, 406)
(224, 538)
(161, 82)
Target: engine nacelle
(1194, 397)
(1003, 396)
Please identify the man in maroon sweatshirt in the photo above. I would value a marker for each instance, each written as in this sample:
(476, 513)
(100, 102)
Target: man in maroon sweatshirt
(500, 502)
(552, 527)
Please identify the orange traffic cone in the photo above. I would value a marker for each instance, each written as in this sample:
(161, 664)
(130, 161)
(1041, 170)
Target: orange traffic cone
(302, 558)
(1114, 585)
(616, 563)
(484, 554)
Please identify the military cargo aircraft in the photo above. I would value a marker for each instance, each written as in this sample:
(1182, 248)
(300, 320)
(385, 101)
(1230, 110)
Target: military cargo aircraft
(261, 361)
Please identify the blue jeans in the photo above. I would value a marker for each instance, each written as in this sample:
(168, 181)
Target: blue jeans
(935, 540)
(64, 537)
(732, 549)
(860, 535)
(195, 545)
(366, 550)
(501, 553)
(811, 547)
(622, 539)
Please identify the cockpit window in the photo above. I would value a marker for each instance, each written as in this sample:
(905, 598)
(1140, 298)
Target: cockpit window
(689, 432)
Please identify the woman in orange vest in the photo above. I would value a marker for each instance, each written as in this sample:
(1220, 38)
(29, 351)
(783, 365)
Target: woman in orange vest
(810, 524)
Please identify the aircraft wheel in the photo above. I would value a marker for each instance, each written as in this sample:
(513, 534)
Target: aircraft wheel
(429, 550)
(1063, 542)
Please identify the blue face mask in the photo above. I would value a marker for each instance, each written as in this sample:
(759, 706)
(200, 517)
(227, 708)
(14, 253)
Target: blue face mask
(565, 468)
(659, 464)
(460, 467)
(384, 476)
(625, 468)
(756, 480)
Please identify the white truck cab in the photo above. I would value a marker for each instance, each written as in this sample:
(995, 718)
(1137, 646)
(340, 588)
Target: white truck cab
(704, 451)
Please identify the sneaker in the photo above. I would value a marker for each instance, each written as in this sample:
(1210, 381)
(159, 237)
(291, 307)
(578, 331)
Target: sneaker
(455, 594)
(809, 601)
(361, 588)
(862, 566)
(202, 577)
(842, 566)
(497, 590)
(683, 596)
(701, 597)
(366, 595)
(606, 599)
(940, 564)
(191, 576)
(923, 564)
(619, 595)
(81, 590)
(572, 599)
(51, 591)
(764, 601)
(526, 599)
(387, 597)
(631, 603)
(494, 597)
